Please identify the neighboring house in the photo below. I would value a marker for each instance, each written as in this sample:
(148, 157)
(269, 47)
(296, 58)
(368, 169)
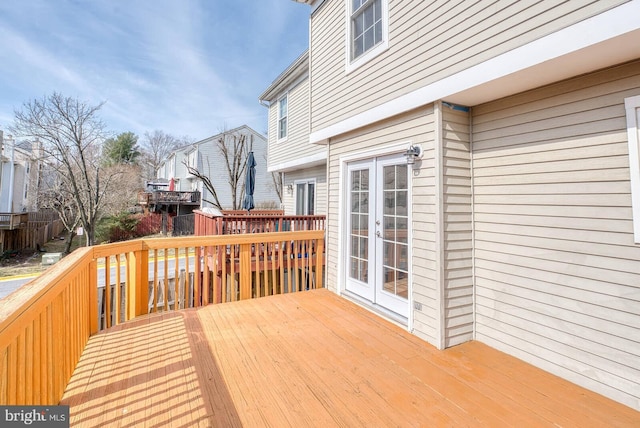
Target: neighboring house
(19, 173)
(303, 165)
(206, 157)
(519, 223)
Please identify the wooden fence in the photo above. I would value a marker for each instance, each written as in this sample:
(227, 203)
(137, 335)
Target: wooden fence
(31, 237)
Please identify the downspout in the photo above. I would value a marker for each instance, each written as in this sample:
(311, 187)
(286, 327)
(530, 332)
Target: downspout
(473, 227)
(439, 220)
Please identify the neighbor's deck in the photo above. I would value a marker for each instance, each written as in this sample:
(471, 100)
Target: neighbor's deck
(311, 359)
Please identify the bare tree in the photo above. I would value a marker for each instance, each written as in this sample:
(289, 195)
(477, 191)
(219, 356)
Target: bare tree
(72, 135)
(277, 182)
(126, 179)
(56, 196)
(233, 149)
(156, 146)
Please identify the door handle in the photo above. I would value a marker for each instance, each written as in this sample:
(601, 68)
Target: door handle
(378, 234)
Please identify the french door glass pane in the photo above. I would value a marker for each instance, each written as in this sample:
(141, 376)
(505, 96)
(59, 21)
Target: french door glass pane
(300, 199)
(359, 228)
(311, 196)
(395, 223)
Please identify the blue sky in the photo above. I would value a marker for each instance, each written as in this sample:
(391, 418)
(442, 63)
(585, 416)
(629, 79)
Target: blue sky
(186, 67)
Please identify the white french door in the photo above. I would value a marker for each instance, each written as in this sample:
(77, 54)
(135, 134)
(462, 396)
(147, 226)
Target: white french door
(377, 254)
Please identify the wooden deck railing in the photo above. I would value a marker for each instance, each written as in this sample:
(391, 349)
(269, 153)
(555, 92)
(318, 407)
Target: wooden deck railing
(13, 221)
(45, 325)
(233, 223)
(168, 197)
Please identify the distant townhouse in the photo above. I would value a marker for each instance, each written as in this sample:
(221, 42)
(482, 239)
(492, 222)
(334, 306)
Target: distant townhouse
(484, 174)
(206, 157)
(19, 173)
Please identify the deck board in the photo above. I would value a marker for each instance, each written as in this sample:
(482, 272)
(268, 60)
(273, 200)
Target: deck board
(311, 359)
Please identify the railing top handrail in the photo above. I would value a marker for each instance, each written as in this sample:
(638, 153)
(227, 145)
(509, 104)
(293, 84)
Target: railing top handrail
(233, 213)
(253, 213)
(275, 217)
(113, 248)
(246, 238)
(233, 216)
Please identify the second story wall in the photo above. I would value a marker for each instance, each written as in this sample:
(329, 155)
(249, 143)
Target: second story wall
(296, 144)
(427, 41)
(292, 150)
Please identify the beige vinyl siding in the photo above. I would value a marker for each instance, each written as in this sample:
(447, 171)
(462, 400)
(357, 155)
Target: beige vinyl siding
(317, 173)
(416, 127)
(457, 280)
(557, 271)
(428, 41)
(296, 145)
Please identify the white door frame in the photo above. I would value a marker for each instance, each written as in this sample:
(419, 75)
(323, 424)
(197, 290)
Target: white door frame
(343, 179)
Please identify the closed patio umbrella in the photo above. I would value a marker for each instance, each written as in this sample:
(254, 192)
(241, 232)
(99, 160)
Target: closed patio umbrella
(250, 183)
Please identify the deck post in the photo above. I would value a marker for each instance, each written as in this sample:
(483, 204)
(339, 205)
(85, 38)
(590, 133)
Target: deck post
(138, 283)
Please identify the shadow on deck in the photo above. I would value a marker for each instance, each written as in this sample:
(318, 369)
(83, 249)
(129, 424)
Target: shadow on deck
(311, 359)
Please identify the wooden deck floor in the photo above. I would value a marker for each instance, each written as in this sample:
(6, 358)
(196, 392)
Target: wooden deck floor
(312, 359)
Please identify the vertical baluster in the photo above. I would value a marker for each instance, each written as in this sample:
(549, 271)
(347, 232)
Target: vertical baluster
(187, 279)
(245, 271)
(206, 275)
(165, 289)
(224, 280)
(196, 277)
(255, 255)
(176, 274)
(116, 291)
(290, 255)
(28, 366)
(107, 292)
(234, 283)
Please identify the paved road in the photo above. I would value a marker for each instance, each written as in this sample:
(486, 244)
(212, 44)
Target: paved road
(9, 284)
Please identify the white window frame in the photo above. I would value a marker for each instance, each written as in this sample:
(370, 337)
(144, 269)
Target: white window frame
(632, 106)
(306, 197)
(355, 63)
(286, 118)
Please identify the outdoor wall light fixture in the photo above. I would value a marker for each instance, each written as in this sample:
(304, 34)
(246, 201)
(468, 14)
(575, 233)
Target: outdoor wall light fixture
(290, 189)
(413, 153)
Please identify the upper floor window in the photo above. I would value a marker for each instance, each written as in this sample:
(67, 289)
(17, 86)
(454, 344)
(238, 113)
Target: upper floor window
(366, 25)
(368, 33)
(282, 117)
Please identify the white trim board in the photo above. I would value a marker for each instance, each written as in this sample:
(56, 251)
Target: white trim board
(299, 163)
